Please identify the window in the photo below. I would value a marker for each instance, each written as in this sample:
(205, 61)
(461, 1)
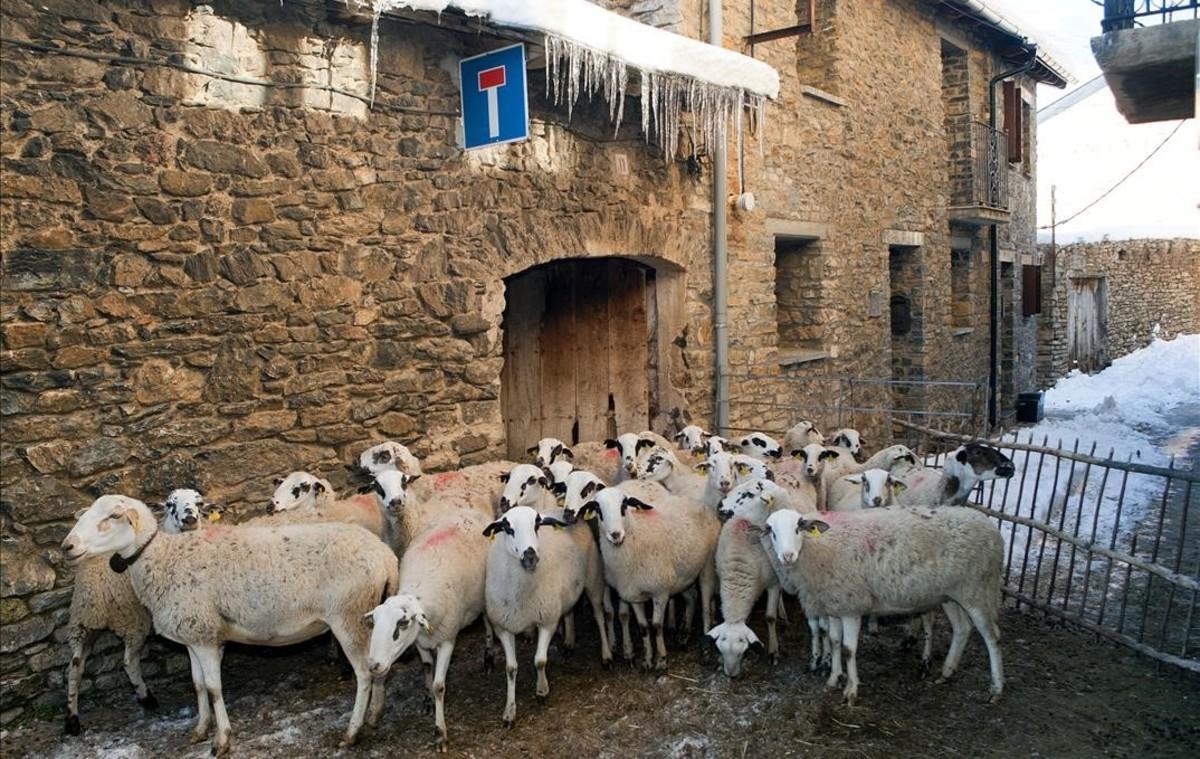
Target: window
(1014, 123)
(960, 288)
(1031, 290)
(798, 273)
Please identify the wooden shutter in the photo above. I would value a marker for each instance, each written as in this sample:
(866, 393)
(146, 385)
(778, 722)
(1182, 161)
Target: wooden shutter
(1031, 290)
(1012, 121)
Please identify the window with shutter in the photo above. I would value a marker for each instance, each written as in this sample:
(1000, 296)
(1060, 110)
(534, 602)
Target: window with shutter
(1012, 121)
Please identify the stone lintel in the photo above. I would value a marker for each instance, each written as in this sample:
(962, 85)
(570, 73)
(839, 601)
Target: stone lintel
(903, 238)
(800, 230)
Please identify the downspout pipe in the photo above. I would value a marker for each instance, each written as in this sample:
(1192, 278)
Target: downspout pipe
(720, 253)
(994, 251)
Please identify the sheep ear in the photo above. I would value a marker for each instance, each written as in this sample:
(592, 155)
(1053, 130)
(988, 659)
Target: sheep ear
(678, 435)
(423, 621)
(589, 510)
(961, 456)
(897, 485)
(635, 503)
(504, 477)
(827, 454)
(716, 631)
(801, 454)
(703, 466)
(551, 521)
(770, 475)
(318, 487)
(531, 450)
(277, 481)
(610, 443)
(369, 619)
(641, 444)
(853, 478)
(568, 453)
(559, 489)
(157, 508)
(409, 479)
(364, 489)
(131, 516)
(813, 527)
(497, 526)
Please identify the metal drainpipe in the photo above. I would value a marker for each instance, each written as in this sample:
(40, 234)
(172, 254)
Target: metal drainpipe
(720, 253)
(994, 250)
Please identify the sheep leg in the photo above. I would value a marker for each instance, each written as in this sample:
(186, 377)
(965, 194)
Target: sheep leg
(203, 712)
(639, 611)
(508, 642)
(814, 643)
(835, 645)
(772, 613)
(689, 613)
(626, 637)
(356, 653)
(377, 700)
(609, 616)
(708, 584)
(597, 598)
(79, 640)
(826, 645)
(210, 662)
(927, 649)
(489, 642)
(783, 613)
(850, 628)
(133, 670)
(990, 633)
(444, 652)
(569, 633)
(669, 619)
(427, 666)
(544, 633)
(872, 624)
(658, 610)
(961, 631)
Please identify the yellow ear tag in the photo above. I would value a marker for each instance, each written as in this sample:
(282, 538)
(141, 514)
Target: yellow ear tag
(214, 516)
(562, 500)
(700, 468)
(492, 536)
(813, 532)
(770, 499)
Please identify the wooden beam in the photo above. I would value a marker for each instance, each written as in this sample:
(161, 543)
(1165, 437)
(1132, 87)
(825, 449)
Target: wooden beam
(778, 34)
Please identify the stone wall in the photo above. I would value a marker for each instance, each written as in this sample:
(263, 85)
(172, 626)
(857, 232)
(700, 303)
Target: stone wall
(1152, 285)
(209, 285)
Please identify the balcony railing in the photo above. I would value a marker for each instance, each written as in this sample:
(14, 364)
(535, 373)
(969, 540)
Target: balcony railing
(979, 174)
(1125, 14)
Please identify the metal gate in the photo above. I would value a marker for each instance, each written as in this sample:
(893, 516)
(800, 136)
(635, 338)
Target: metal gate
(1111, 546)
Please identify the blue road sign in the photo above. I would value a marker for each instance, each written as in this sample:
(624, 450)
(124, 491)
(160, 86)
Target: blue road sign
(495, 105)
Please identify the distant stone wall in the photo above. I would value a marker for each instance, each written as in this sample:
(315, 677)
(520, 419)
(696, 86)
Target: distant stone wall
(208, 284)
(1150, 283)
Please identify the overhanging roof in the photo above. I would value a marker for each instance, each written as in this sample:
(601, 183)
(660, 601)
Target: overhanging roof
(1014, 41)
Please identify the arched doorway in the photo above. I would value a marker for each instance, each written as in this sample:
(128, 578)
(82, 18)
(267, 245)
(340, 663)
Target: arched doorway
(580, 351)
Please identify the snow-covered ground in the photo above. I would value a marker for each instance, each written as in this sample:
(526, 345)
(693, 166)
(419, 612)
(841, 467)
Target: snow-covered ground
(1122, 413)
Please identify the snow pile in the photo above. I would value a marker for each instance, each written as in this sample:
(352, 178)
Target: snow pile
(589, 51)
(1136, 389)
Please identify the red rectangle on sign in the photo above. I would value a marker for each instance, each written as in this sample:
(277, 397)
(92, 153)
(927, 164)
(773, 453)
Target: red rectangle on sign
(489, 78)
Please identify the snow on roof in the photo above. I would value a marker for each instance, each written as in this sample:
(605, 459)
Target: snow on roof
(998, 14)
(590, 50)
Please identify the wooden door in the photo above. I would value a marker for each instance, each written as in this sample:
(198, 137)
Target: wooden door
(576, 352)
(1087, 325)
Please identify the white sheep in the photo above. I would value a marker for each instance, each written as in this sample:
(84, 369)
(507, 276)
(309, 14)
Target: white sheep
(691, 438)
(760, 446)
(715, 444)
(964, 468)
(527, 485)
(719, 475)
(477, 484)
(877, 488)
(848, 438)
(559, 471)
(801, 434)
(548, 450)
(894, 459)
(440, 593)
(534, 577)
(630, 448)
(384, 456)
(302, 497)
(894, 561)
(814, 457)
(102, 599)
(277, 586)
(653, 553)
(747, 468)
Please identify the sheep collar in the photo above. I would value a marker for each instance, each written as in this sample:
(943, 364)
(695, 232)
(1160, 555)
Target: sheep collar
(119, 563)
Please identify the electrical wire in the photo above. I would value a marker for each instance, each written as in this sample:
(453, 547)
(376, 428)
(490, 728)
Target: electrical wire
(1121, 181)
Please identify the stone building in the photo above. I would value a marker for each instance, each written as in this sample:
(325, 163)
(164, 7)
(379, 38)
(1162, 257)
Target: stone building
(209, 282)
(1102, 300)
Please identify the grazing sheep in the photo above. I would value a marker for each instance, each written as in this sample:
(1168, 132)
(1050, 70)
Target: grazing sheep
(534, 577)
(654, 553)
(894, 561)
(760, 446)
(386, 455)
(691, 438)
(964, 468)
(801, 434)
(104, 600)
(440, 594)
(277, 586)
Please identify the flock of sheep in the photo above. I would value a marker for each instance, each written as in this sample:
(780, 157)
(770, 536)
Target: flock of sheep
(414, 558)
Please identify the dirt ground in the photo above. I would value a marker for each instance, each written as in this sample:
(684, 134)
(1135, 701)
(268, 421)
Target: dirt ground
(1067, 695)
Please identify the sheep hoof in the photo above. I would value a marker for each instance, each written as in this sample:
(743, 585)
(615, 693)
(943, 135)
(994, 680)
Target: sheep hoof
(606, 664)
(507, 722)
(71, 725)
(774, 660)
(942, 680)
(440, 744)
(995, 698)
(350, 740)
(541, 698)
(220, 749)
(198, 736)
(850, 699)
(149, 703)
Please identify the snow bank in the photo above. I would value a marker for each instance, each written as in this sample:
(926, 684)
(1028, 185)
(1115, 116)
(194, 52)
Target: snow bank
(1136, 389)
(589, 50)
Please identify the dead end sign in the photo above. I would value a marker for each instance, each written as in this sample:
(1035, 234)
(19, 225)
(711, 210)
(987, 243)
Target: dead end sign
(495, 104)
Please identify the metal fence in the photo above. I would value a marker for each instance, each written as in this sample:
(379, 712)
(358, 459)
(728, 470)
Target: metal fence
(989, 168)
(872, 406)
(1125, 14)
(1098, 542)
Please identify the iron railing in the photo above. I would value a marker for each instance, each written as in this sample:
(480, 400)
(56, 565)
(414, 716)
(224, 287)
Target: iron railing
(1098, 542)
(1125, 14)
(986, 170)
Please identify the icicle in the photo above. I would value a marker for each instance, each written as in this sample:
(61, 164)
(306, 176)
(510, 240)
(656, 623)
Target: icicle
(375, 14)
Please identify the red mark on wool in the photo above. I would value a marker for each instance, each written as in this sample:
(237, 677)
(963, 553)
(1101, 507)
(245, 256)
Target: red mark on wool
(868, 544)
(740, 524)
(611, 453)
(213, 533)
(445, 479)
(438, 537)
(362, 502)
